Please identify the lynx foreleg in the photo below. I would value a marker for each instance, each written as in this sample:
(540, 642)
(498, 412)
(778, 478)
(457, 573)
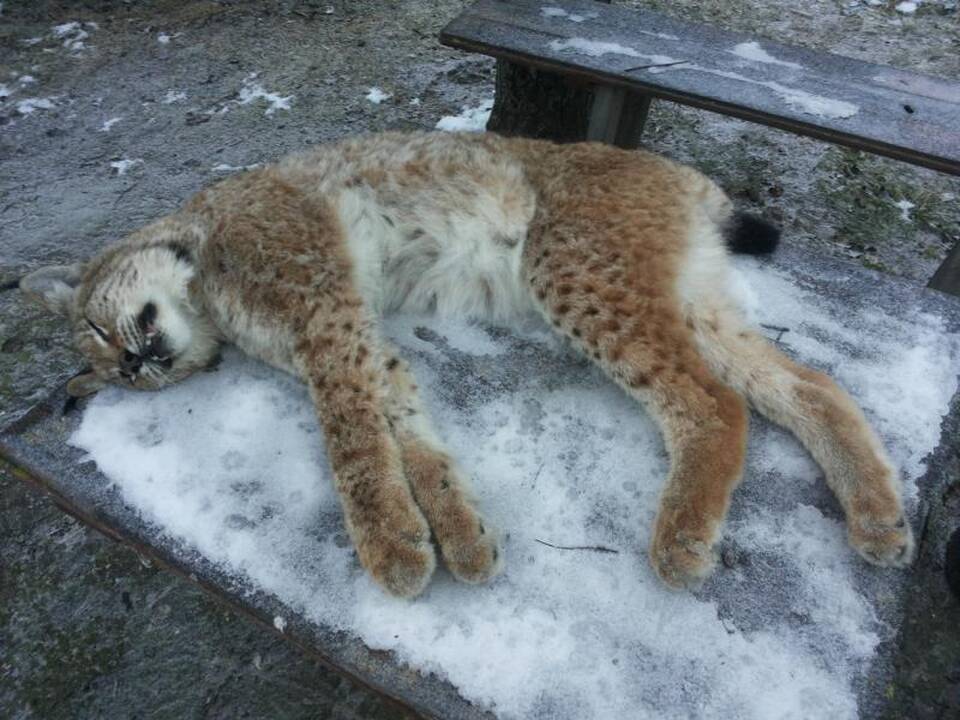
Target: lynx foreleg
(344, 370)
(469, 546)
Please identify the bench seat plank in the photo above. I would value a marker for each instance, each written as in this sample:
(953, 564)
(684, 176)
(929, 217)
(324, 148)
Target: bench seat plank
(903, 115)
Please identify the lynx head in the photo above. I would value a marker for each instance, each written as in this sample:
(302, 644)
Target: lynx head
(131, 312)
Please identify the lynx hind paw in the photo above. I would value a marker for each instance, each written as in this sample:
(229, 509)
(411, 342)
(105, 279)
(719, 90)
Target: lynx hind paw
(887, 544)
(682, 562)
(473, 552)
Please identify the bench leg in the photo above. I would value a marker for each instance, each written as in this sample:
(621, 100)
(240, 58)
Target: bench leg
(534, 103)
(947, 277)
(617, 116)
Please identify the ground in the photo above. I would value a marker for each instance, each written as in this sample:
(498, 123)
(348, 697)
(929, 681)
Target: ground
(87, 630)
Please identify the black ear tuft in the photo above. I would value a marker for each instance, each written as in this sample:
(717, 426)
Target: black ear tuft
(751, 235)
(181, 251)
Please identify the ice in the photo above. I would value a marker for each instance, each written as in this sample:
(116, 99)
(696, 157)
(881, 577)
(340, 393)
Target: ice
(232, 464)
(469, 120)
(753, 51)
(377, 96)
(252, 90)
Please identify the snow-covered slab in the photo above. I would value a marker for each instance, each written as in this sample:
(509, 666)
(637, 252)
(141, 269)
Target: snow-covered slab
(224, 479)
(880, 109)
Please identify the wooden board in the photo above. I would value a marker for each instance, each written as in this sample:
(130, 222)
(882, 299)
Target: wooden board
(34, 447)
(903, 115)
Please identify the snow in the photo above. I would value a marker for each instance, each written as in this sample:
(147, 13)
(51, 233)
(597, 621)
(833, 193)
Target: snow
(120, 167)
(753, 51)
(377, 96)
(798, 99)
(550, 11)
(905, 207)
(108, 124)
(224, 168)
(231, 463)
(254, 91)
(26, 80)
(279, 623)
(173, 96)
(29, 105)
(469, 120)
(4, 92)
(907, 8)
(73, 34)
(163, 38)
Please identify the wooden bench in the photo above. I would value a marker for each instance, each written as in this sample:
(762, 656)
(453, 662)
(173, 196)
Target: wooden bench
(589, 71)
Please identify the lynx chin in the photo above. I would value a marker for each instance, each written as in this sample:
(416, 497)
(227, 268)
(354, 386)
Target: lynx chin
(624, 253)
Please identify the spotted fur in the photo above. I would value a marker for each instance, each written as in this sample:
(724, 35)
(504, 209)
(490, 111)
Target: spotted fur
(621, 252)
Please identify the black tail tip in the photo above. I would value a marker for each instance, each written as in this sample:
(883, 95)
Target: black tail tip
(751, 235)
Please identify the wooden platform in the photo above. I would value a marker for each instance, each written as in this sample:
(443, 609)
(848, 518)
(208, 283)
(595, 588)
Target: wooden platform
(34, 447)
(900, 114)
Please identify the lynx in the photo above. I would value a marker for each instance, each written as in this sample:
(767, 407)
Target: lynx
(622, 252)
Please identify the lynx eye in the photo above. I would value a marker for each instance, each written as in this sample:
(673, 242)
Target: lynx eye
(98, 330)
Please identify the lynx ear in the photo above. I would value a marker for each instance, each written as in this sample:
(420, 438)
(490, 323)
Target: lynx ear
(84, 384)
(53, 286)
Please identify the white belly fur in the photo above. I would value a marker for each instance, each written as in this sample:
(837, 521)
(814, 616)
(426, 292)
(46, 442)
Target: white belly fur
(455, 251)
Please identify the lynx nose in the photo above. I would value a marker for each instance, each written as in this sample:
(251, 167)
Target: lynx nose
(130, 363)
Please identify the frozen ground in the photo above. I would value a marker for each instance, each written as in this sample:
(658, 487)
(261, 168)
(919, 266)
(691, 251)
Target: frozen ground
(163, 82)
(229, 465)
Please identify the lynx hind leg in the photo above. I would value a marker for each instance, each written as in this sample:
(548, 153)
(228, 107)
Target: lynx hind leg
(470, 547)
(389, 531)
(615, 299)
(825, 420)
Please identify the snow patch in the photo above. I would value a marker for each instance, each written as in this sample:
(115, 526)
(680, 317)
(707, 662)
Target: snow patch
(173, 96)
(232, 464)
(907, 8)
(4, 92)
(107, 124)
(905, 207)
(73, 34)
(469, 120)
(224, 168)
(254, 91)
(798, 99)
(377, 96)
(561, 13)
(163, 38)
(29, 105)
(26, 79)
(753, 51)
(120, 167)
(279, 623)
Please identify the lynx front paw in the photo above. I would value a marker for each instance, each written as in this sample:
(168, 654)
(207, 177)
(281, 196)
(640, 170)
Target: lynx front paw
(682, 559)
(888, 544)
(397, 552)
(401, 565)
